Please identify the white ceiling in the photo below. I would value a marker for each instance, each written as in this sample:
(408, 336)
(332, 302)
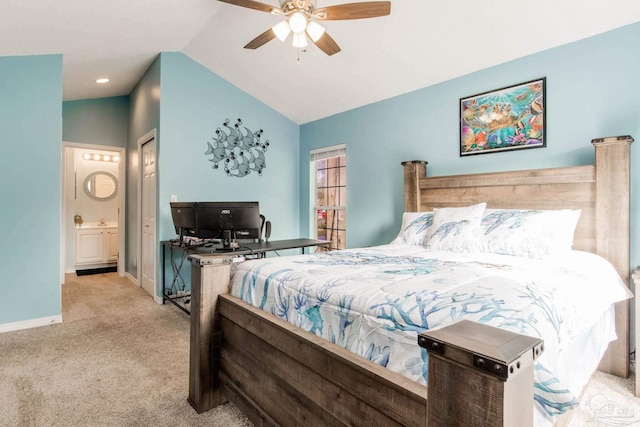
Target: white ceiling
(423, 42)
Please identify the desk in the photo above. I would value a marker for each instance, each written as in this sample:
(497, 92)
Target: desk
(177, 292)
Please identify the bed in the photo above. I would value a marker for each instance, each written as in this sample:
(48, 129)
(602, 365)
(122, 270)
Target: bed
(282, 373)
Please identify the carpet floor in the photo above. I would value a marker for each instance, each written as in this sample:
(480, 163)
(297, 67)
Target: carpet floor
(120, 359)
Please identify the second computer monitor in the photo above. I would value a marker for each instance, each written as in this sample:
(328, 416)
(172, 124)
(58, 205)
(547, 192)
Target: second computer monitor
(228, 220)
(184, 218)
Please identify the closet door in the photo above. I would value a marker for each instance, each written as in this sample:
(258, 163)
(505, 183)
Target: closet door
(149, 245)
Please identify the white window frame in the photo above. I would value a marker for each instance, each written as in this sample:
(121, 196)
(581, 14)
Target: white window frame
(315, 155)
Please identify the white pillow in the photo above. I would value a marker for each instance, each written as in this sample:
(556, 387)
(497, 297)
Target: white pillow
(456, 229)
(416, 228)
(528, 233)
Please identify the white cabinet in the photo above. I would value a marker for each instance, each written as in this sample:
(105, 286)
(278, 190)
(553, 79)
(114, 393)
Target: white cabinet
(111, 247)
(96, 245)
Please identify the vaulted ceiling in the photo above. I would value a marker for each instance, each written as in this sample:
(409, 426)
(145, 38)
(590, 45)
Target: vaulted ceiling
(421, 43)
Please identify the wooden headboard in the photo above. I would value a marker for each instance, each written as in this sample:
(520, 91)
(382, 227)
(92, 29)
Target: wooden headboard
(601, 191)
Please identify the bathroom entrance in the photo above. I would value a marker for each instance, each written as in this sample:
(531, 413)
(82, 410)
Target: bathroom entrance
(92, 220)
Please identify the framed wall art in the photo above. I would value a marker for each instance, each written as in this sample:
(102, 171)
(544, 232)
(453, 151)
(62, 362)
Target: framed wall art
(511, 118)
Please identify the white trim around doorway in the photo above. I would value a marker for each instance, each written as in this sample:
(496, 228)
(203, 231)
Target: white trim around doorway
(149, 136)
(121, 196)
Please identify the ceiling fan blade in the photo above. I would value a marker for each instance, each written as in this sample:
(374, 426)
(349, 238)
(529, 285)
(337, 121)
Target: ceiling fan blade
(263, 38)
(327, 44)
(254, 5)
(368, 9)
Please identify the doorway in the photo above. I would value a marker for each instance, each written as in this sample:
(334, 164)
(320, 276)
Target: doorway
(147, 208)
(92, 222)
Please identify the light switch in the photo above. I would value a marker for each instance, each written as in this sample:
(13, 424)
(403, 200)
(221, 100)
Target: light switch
(174, 197)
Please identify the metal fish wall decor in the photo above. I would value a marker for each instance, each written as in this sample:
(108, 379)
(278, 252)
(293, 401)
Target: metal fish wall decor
(238, 149)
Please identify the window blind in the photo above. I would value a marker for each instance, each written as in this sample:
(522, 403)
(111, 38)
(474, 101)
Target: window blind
(327, 152)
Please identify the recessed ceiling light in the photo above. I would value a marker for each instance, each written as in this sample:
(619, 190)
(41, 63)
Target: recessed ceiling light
(102, 81)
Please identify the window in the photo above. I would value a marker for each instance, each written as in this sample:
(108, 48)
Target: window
(329, 168)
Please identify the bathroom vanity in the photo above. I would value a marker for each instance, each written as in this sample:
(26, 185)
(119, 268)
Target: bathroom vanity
(96, 244)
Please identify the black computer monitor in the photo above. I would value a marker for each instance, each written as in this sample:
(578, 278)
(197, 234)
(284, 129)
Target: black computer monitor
(184, 218)
(228, 221)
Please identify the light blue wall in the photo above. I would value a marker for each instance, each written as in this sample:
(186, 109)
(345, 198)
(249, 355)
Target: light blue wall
(144, 116)
(30, 177)
(592, 91)
(195, 102)
(185, 103)
(101, 121)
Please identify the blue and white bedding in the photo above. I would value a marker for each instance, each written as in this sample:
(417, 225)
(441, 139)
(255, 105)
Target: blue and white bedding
(374, 301)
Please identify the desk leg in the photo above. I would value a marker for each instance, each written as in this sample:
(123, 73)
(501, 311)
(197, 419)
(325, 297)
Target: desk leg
(162, 273)
(209, 278)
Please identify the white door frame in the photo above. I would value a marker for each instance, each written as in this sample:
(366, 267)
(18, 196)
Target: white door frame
(151, 135)
(122, 224)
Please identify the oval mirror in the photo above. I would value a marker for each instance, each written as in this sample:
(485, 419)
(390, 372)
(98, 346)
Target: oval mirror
(101, 185)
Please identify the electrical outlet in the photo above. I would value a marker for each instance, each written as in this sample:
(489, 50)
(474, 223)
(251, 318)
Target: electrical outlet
(174, 197)
(135, 261)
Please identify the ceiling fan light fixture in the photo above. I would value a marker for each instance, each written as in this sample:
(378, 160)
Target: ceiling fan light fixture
(315, 30)
(298, 22)
(300, 18)
(299, 40)
(282, 30)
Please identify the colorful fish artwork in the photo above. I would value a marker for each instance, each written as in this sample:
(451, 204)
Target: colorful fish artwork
(505, 119)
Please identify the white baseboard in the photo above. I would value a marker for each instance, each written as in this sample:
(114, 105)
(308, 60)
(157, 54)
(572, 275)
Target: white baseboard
(157, 299)
(32, 323)
(133, 279)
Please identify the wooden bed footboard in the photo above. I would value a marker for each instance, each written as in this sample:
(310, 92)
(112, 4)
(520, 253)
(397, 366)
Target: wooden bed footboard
(282, 375)
(279, 374)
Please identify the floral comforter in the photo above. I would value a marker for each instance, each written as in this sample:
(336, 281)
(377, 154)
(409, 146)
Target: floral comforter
(374, 301)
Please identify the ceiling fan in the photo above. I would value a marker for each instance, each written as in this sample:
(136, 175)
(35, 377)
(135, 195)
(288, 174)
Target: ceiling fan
(300, 19)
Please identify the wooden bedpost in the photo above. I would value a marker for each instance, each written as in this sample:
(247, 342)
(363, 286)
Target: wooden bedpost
(209, 279)
(613, 234)
(413, 171)
(479, 375)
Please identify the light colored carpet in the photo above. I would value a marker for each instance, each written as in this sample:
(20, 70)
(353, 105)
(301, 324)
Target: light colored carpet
(120, 359)
(608, 401)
